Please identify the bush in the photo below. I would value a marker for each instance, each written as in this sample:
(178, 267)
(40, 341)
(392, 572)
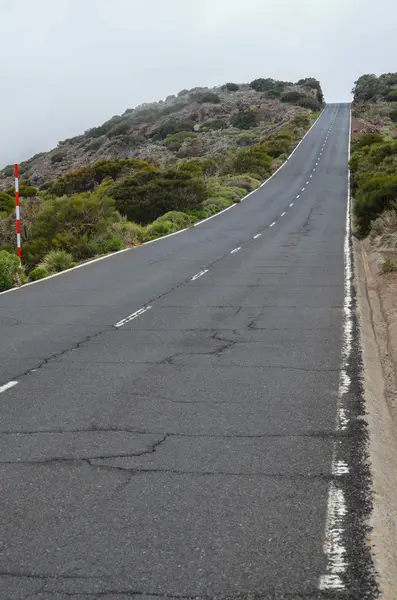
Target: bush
(273, 94)
(376, 194)
(253, 160)
(393, 115)
(213, 125)
(94, 145)
(278, 145)
(180, 219)
(146, 196)
(57, 157)
(7, 203)
(11, 272)
(174, 142)
(262, 85)
(208, 97)
(34, 251)
(131, 233)
(160, 228)
(245, 182)
(38, 273)
(392, 96)
(119, 129)
(291, 97)
(8, 171)
(308, 102)
(171, 128)
(231, 87)
(244, 119)
(56, 261)
(114, 244)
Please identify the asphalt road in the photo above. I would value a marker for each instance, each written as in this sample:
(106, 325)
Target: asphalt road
(188, 452)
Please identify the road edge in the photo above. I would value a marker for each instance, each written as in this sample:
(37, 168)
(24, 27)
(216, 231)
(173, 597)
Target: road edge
(382, 438)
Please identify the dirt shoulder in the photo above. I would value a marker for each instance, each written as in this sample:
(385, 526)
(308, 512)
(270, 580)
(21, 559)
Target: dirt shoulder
(377, 306)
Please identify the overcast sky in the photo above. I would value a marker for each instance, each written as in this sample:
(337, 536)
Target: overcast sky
(67, 65)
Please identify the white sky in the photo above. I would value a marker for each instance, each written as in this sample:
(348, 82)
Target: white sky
(67, 65)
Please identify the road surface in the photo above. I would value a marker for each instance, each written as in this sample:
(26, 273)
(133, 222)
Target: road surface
(169, 415)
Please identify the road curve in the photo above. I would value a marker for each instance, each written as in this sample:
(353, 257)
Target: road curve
(169, 414)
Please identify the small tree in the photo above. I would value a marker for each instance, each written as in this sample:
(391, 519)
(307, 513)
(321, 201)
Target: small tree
(244, 119)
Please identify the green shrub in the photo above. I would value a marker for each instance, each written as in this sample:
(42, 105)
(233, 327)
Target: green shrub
(119, 129)
(244, 181)
(34, 251)
(366, 139)
(253, 160)
(393, 115)
(94, 145)
(213, 125)
(38, 273)
(208, 97)
(217, 201)
(247, 138)
(280, 144)
(308, 102)
(392, 96)
(160, 228)
(262, 85)
(171, 128)
(11, 272)
(146, 196)
(57, 157)
(7, 203)
(180, 219)
(114, 244)
(8, 171)
(131, 233)
(56, 261)
(244, 119)
(376, 194)
(231, 87)
(273, 94)
(291, 97)
(174, 142)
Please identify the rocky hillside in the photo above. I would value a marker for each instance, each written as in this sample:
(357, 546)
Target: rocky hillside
(195, 123)
(375, 105)
(149, 172)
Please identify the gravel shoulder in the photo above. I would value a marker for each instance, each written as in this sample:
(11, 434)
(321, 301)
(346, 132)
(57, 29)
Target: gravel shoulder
(377, 307)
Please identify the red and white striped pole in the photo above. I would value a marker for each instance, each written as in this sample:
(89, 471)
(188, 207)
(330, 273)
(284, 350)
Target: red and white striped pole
(17, 212)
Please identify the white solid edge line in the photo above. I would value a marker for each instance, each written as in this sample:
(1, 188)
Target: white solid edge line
(133, 316)
(198, 275)
(235, 250)
(94, 260)
(7, 386)
(333, 546)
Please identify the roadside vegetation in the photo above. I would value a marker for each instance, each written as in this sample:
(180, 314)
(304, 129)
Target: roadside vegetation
(374, 159)
(107, 205)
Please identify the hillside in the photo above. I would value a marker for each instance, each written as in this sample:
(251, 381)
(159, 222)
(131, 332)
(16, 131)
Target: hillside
(374, 164)
(151, 171)
(375, 105)
(195, 123)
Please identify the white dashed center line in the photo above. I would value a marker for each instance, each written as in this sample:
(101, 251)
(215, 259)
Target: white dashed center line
(235, 250)
(7, 386)
(200, 274)
(272, 224)
(282, 214)
(257, 236)
(291, 204)
(298, 196)
(303, 189)
(134, 315)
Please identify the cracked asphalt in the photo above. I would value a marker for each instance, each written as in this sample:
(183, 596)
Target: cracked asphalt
(188, 453)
